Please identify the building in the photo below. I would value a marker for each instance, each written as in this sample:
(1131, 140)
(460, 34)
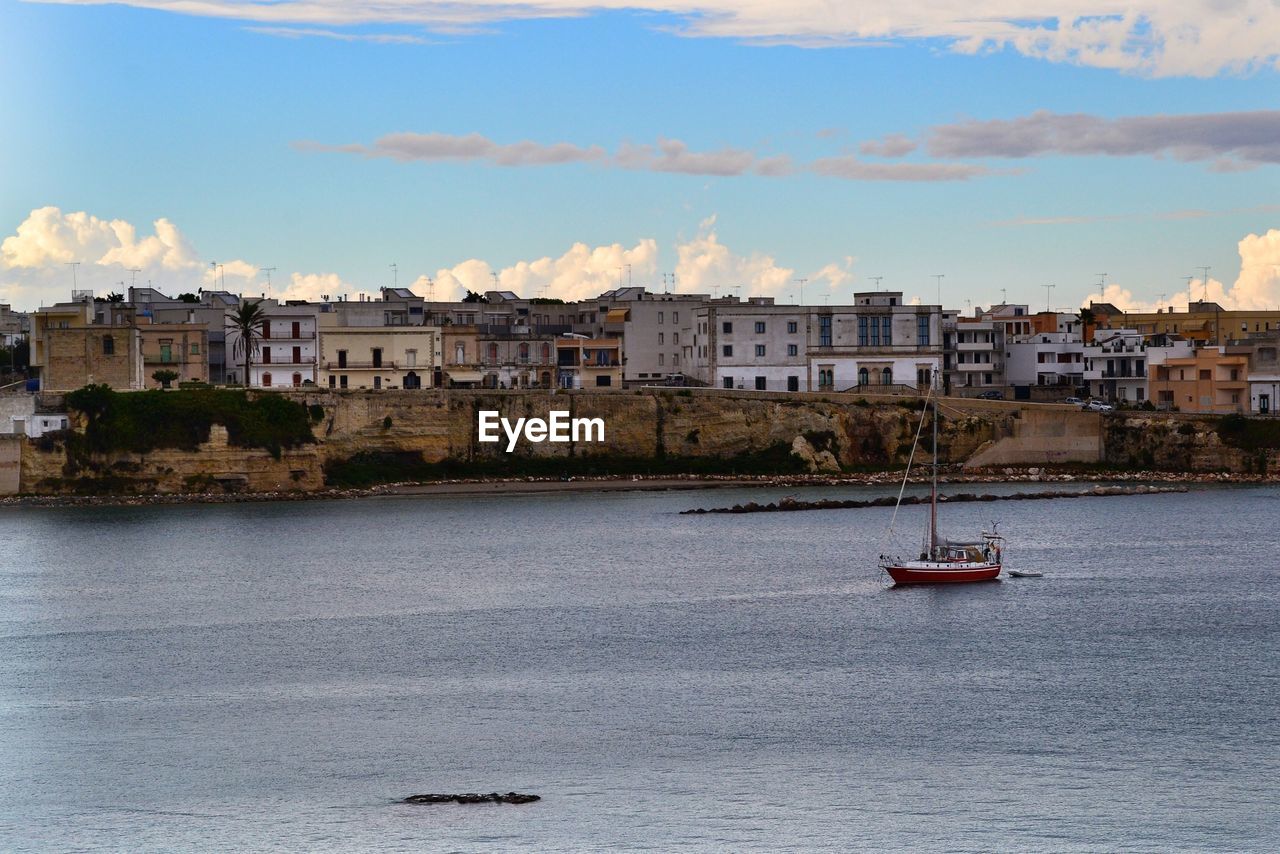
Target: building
(972, 355)
(287, 348)
(378, 357)
(876, 344)
(182, 348)
(1263, 351)
(1115, 366)
(81, 342)
(1203, 322)
(14, 325)
(1054, 359)
(589, 363)
(651, 326)
(1212, 379)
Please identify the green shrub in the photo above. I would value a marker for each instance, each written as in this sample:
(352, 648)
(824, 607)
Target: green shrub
(143, 421)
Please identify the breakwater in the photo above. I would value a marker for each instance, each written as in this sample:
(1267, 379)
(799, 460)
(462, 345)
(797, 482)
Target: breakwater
(789, 504)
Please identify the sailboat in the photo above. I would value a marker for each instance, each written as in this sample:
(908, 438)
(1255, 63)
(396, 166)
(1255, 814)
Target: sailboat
(942, 560)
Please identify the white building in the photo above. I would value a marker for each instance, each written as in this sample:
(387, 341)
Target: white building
(973, 355)
(1115, 366)
(1045, 359)
(287, 348)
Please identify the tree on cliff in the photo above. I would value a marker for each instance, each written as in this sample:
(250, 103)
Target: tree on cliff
(246, 321)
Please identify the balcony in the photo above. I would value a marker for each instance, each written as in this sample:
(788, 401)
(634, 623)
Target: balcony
(974, 346)
(384, 365)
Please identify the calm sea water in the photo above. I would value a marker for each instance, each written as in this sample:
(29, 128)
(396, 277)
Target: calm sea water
(274, 676)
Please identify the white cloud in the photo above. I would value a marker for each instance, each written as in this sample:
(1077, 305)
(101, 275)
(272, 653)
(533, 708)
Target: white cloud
(1257, 287)
(316, 286)
(35, 259)
(580, 273)
(1155, 37)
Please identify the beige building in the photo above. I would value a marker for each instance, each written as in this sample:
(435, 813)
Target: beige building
(1212, 379)
(588, 362)
(78, 343)
(379, 357)
(179, 347)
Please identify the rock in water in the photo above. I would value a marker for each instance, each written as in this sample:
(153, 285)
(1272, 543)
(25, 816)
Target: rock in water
(474, 798)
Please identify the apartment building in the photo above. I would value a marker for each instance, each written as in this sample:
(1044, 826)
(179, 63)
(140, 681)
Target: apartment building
(287, 348)
(1115, 366)
(81, 342)
(583, 362)
(876, 344)
(1045, 359)
(972, 355)
(1212, 379)
(1203, 322)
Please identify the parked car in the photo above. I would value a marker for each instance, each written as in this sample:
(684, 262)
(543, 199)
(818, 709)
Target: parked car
(1099, 406)
(991, 395)
(1073, 401)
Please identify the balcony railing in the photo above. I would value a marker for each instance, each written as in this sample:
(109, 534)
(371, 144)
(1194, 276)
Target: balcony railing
(365, 366)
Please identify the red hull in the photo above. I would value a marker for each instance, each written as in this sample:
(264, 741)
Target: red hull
(913, 575)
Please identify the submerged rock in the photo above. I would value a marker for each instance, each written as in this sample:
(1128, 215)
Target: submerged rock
(473, 798)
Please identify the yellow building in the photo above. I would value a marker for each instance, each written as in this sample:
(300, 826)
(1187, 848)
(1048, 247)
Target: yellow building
(1211, 379)
(589, 362)
(182, 348)
(1203, 322)
(379, 357)
(78, 343)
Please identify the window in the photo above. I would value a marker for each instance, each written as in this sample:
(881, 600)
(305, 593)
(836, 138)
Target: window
(922, 331)
(342, 358)
(1204, 375)
(826, 377)
(377, 382)
(604, 380)
(793, 350)
(333, 381)
(660, 359)
(297, 329)
(726, 328)
(793, 383)
(266, 355)
(266, 329)
(728, 382)
(886, 325)
(862, 332)
(661, 339)
(266, 380)
(864, 376)
(874, 323)
(195, 349)
(675, 337)
(524, 353)
(886, 377)
(297, 355)
(675, 317)
(675, 360)
(342, 381)
(759, 350)
(659, 318)
(493, 353)
(108, 345)
(377, 357)
(761, 384)
(728, 350)
(297, 380)
(546, 352)
(411, 358)
(759, 327)
(791, 327)
(824, 331)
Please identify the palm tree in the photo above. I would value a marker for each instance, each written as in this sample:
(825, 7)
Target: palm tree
(246, 321)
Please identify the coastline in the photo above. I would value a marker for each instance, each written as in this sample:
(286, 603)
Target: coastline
(639, 483)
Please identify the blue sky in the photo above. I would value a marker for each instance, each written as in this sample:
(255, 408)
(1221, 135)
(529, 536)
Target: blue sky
(135, 115)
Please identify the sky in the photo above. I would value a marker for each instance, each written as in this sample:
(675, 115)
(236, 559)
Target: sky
(790, 148)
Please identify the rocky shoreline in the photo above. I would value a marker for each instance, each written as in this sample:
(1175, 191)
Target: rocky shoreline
(500, 486)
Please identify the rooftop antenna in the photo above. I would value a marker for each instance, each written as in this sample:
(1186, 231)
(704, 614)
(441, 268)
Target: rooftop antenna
(968, 305)
(1160, 301)
(133, 275)
(73, 265)
(715, 291)
(628, 266)
(876, 279)
(213, 271)
(431, 290)
(1189, 279)
(1004, 296)
(495, 280)
(1047, 296)
(1206, 281)
(395, 276)
(268, 271)
(1102, 282)
(939, 277)
(802, 281)
(222, 270)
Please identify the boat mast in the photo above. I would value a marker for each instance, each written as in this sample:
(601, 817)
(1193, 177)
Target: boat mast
(933, 497)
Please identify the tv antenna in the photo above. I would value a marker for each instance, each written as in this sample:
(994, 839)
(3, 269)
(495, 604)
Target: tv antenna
(939, 277)
(801, 283)
(268, 271)
(877, 280)
(1189, 279)
(133, 275)
(73, 265)
(1206, 282)
(1047, 296)
(395, 276)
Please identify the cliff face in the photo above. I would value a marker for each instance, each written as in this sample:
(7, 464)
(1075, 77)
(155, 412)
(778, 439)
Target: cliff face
(813, 432)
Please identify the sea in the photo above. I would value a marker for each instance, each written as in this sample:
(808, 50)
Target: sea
(278, 676)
